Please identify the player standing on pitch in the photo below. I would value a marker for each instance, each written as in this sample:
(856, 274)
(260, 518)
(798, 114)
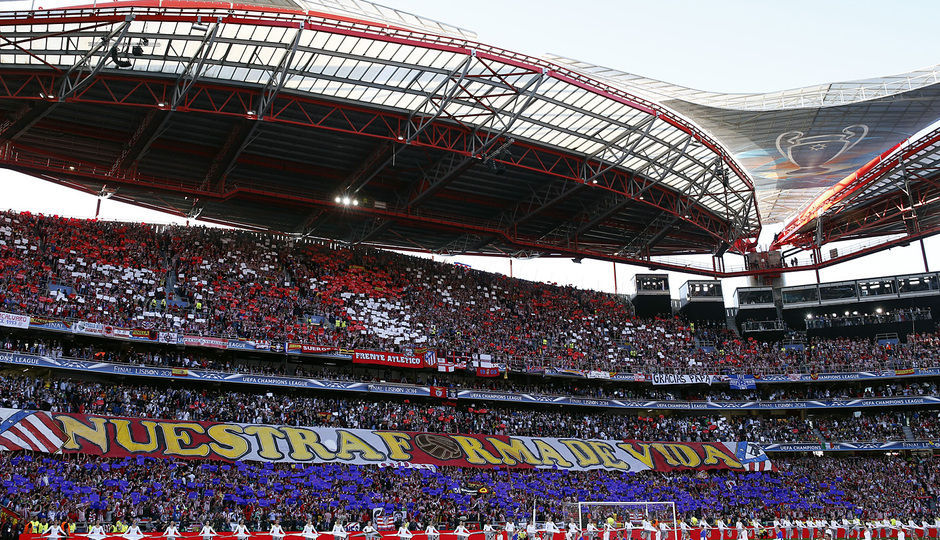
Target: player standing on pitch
(242, 532)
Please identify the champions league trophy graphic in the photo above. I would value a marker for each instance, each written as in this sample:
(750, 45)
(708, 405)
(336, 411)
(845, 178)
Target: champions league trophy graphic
(810, 154)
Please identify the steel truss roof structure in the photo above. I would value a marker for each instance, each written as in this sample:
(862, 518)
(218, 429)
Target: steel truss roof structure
(897, 194)
(268, 118)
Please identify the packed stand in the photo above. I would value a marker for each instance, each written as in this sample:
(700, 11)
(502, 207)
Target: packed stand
(84, 397)
(168, 356)
(238, 284)
(87, 489)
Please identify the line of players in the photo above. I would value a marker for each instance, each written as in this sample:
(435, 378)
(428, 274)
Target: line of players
(782, 529)
(241, 532)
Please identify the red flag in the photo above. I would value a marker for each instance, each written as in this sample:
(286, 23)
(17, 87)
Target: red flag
(487, 372)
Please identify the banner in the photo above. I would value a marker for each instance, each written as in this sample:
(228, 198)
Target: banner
(92, 329)
(205, 341)
(393, 359)
(303, 348)
(14, 321)
(853, 446)
(742, 382)
(123, 437)
(115, 332)
(667, 378)
(46, 323)
(249, 345)
(89, 366)
(35, 431)
(168, 337)
(142, 333)
(487, 372)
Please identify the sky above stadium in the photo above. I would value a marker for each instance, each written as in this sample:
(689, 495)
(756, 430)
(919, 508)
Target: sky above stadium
(724, 46)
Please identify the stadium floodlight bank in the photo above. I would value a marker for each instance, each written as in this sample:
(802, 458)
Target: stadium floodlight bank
(626, 514)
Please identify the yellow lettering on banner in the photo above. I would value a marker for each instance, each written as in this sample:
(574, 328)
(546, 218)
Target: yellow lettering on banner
(125, 439)
(476, 454)
(550, 454)
(666, 452)
(348, 444)
(645, 456)
(398, 444)
(96, 434)
(606, 453)
(302, 441)
(226, 441)
(267, 438)
(714, 456)
(177, 436)
(684, 454)
(515, 451)
(582, 452)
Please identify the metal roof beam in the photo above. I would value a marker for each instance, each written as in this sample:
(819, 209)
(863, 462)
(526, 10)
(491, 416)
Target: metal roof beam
(370, 229)
(461, 244)
(239, 137)
(278, 77)
(455, 78)
(456, 166)
(194, 67)
(570, 231)
(372, 165)
(556, 192)
(457, 75)
(650, 236)
(238, 140)
(146, 135)
(607, 210)
(76, 78)
(625, 152)
(656, 229)
(133, 148)
(21, 120)
(529, 93)
(444, 171)
(311, 222)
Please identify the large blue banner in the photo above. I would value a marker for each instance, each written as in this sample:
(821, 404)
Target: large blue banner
(852, 446)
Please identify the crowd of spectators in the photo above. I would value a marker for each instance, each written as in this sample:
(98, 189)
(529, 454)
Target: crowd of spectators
(294, 408)
(240, 284)
(123, 353)
(84, 488)
(864, 319)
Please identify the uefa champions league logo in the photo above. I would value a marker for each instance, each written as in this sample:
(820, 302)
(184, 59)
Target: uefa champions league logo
(811, 154)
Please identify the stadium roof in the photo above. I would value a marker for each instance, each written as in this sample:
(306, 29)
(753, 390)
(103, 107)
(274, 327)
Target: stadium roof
(797, 143)
(270, 116)
(354, 121)
(896, 196)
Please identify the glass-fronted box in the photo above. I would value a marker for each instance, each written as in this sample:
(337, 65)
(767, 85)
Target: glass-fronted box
(754, 297)
(652, 284)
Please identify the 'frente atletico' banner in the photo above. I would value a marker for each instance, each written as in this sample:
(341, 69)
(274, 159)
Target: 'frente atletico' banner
(122, 437)
(395, 359)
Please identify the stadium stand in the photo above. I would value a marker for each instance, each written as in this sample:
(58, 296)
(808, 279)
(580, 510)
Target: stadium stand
(236, 284)
(273, 291)
(304, 378)
(198, 404)
(192, 492)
